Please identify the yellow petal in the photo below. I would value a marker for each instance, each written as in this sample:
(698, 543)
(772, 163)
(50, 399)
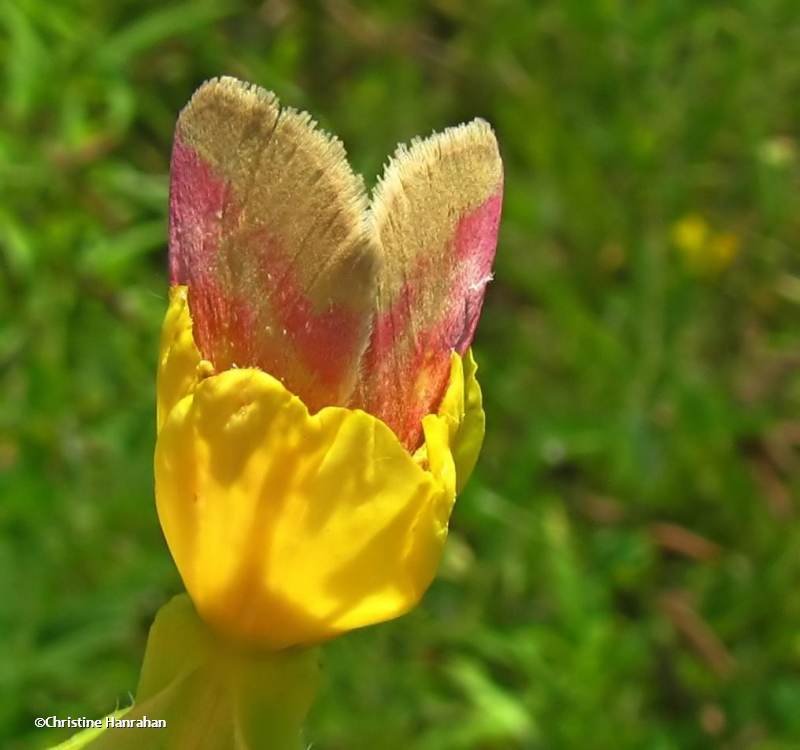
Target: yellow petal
(462, 409)
(178, 357)
(291, 528)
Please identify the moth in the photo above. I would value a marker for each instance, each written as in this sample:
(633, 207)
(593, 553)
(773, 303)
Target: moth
(349, 300)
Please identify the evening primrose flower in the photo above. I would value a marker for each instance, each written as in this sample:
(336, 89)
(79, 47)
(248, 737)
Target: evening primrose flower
(317, 404)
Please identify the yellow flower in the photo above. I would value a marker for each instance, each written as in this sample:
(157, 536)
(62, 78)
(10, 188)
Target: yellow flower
(690, 234)
(704, 252)
(289, 527)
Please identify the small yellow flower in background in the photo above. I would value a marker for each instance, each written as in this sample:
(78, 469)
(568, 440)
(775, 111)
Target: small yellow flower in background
(690, 234)
(317, 403)
(704, 252)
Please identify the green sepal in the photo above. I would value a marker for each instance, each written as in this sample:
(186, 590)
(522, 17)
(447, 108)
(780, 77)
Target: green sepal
(213, 693)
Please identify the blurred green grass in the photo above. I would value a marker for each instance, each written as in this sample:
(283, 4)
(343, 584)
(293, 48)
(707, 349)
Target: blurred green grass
(624, 569)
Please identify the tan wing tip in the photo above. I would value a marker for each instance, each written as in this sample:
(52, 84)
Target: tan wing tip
(475, 134)
(244, 97)
(315, 154)
(474, 139)
(239, 97)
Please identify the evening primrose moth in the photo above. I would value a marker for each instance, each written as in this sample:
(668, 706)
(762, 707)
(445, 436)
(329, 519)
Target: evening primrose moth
(292, 269)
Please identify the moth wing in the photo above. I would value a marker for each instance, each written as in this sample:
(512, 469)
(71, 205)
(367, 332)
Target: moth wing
(434, 217)
(267, 231)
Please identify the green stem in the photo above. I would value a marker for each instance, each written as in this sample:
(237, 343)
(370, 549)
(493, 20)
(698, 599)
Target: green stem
(212, 693)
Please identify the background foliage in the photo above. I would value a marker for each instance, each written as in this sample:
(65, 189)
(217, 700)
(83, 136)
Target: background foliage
(624, 568)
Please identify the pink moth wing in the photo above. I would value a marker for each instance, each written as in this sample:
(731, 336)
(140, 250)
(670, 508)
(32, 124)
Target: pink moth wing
(267, 232)
(435, 217)
(290, 270)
